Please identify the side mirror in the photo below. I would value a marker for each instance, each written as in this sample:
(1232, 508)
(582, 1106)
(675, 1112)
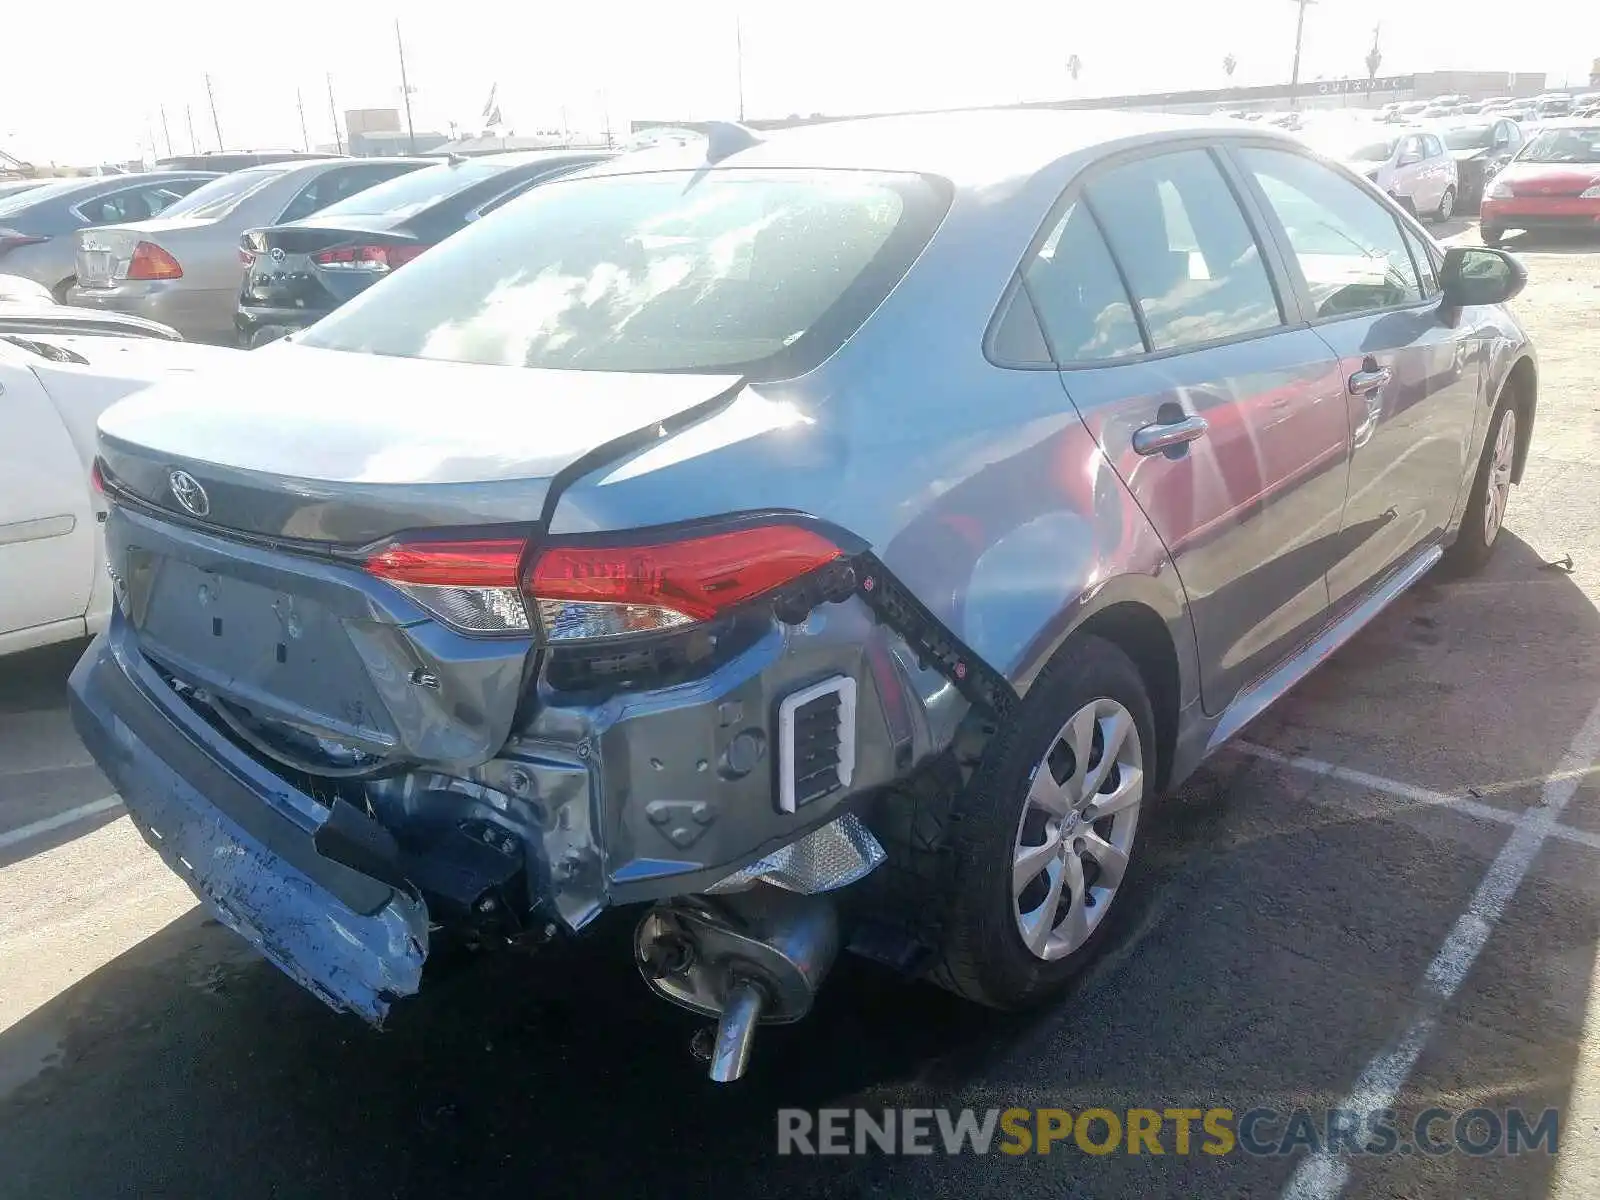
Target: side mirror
(1478, 275)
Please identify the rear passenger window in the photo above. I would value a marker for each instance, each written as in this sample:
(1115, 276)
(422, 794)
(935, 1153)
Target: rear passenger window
(1347, 243)
(1190, 259)
(1078, 294)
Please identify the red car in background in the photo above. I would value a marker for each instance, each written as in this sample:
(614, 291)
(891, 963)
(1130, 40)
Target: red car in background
(1554, 183)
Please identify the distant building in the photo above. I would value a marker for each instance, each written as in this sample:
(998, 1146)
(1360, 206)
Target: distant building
(387, 143)
(371, 120)
(1317, 93)
(492, 144)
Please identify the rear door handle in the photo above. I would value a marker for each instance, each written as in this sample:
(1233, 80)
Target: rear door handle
(1152, 439)
(1363, 382)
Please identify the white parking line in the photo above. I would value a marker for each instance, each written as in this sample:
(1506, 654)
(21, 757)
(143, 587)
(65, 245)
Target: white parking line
(1426, 796)
(1322, 1176)
(12, 837)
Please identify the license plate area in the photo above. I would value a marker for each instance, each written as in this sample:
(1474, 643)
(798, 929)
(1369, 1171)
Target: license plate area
(283, 656)
(95, 265)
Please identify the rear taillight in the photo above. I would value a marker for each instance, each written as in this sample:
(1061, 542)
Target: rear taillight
(473, 585)
(581, 592)
(604, 591)
(97, 479)
(366, 258)
(10, 239)
(150, 261)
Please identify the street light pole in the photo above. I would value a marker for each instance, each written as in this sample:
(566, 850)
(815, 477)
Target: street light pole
(1299, 34)
(405, 90)
(300, 103)
(333, 111)
(215, 124)
(738, 51)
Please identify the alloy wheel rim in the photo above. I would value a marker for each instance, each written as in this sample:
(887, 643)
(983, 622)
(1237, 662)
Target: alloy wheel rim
(1447, 206)
(1076, 831)
(1497, 488)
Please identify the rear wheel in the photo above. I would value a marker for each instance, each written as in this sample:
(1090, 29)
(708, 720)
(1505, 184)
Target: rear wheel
(1491, 492)
(1043, 836)
(1447, 205)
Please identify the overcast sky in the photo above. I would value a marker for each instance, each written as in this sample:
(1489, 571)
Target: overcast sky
(86, 81)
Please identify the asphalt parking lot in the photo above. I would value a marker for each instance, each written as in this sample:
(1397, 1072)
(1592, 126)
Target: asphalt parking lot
(1387, 896)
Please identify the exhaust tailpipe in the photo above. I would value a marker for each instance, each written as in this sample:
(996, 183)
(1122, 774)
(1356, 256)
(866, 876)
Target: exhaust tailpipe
(754, 957)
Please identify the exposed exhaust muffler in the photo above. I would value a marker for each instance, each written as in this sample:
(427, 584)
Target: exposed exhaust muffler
(754, 957)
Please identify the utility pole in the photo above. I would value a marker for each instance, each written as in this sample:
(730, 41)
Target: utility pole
(165, 132)
(1299, 34)
(738, 51)
(405, 90)
(194, 142)
(333, 111)
(215, 124)
(1374, 61)
(305, 138)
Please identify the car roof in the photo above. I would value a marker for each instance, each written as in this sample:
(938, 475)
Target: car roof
(968, 148)
(516, 158)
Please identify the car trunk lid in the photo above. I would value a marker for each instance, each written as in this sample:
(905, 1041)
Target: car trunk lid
(319, 266)
(248, 588)
(104, 254)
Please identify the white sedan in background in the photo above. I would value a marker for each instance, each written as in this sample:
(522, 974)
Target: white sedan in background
(58, 369)
(1412, 165)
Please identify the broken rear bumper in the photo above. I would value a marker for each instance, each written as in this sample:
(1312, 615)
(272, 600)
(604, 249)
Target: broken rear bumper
(237, 836)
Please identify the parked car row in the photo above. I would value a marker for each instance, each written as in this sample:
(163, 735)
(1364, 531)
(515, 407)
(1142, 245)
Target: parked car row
(269, 249)
(37, 223)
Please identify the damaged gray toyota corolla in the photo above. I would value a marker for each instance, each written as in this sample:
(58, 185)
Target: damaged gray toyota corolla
(827, 541)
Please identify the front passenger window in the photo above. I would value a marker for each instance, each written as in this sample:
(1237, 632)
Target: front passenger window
(1347, 243)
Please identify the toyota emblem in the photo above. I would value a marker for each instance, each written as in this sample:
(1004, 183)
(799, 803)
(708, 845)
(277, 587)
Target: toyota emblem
(189, 493)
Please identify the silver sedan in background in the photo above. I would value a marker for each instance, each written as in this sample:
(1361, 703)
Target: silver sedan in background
(37, 223)
(183, 269)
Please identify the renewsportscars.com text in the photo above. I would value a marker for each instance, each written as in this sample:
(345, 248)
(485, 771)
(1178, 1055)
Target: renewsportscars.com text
(1177, 1131)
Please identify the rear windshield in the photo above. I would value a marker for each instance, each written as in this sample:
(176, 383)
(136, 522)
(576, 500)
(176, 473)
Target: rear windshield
(1370, 152)
(763, 273)
(1468, 137)
(413, 191)
(221, 196)
(1580, 145)
(17, 201)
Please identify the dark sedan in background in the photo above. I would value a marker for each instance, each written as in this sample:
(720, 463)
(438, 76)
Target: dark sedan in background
(299, 271)
(37, 223)
(183, 268)
(1481, 146)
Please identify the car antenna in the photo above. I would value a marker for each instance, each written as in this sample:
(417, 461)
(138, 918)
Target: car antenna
(728, 137)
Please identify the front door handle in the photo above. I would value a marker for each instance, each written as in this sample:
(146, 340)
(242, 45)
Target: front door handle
(1152, 439)
(1371, 380)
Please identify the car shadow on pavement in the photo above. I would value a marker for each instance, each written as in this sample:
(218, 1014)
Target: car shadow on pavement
(1263, 963)
(1553, 242)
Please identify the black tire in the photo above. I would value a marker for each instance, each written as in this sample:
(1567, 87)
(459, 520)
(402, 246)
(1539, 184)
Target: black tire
(1474, 546)
(981, 954)
(1492, 235)
(60, 290)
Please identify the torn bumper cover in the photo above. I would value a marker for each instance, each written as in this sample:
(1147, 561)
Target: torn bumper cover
(353, 941)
